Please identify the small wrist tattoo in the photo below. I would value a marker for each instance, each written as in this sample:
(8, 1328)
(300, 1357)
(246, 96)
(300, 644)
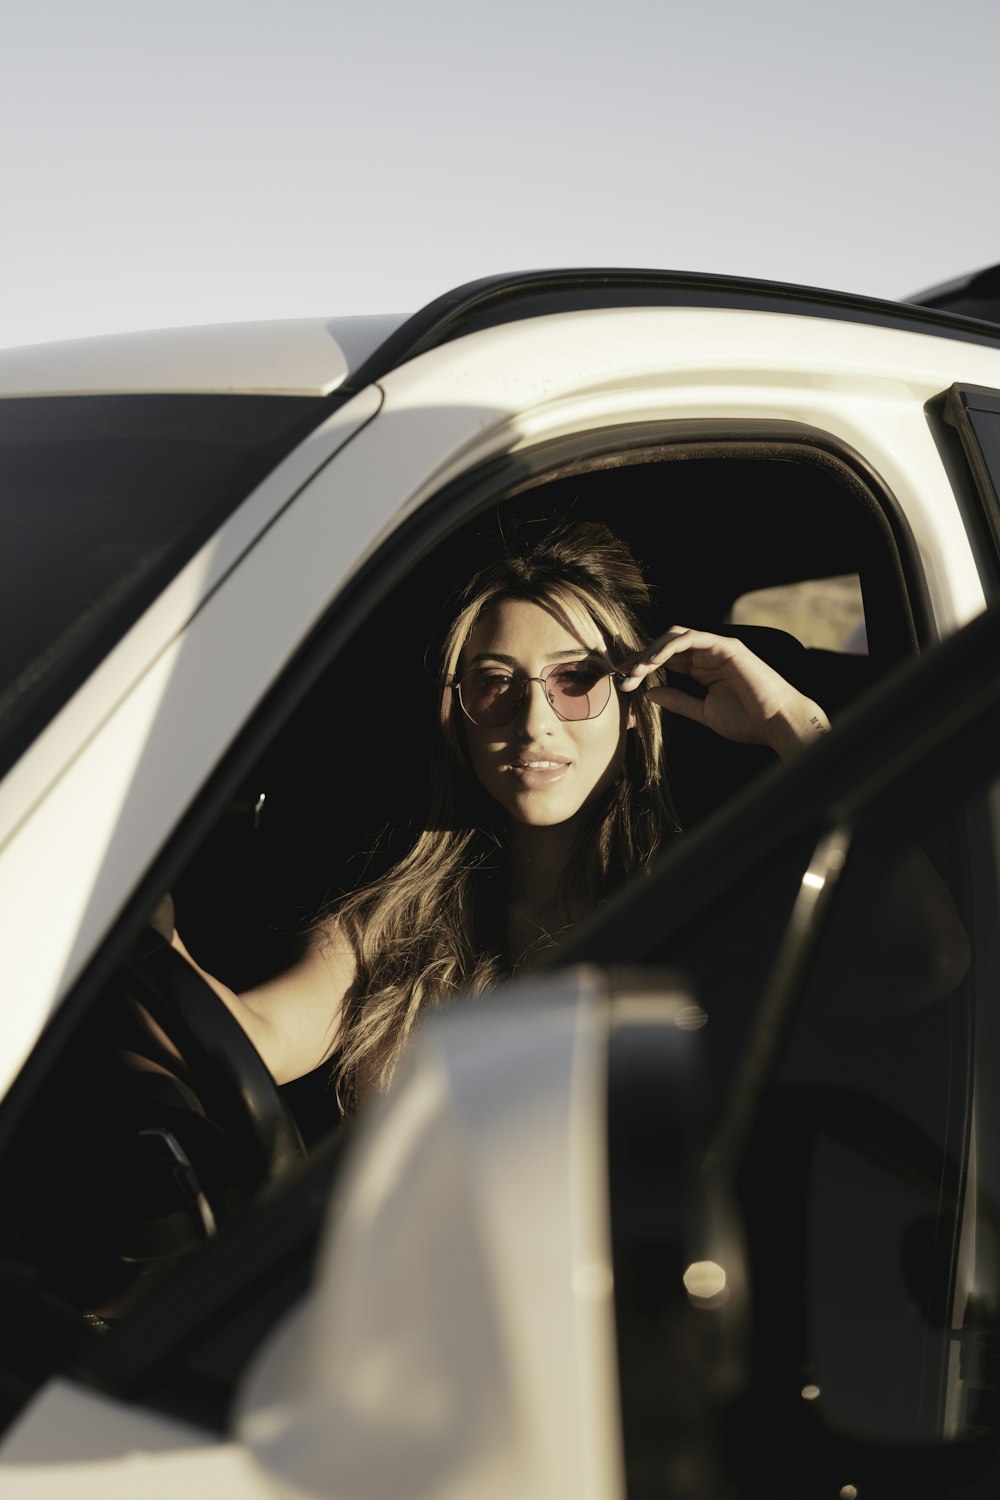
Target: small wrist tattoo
(818, 725)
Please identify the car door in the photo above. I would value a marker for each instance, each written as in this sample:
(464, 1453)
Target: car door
(848, 966)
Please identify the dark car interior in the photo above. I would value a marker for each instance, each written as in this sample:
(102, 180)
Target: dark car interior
(337, 794)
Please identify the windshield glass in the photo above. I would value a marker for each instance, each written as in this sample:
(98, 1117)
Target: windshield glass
(102, 500)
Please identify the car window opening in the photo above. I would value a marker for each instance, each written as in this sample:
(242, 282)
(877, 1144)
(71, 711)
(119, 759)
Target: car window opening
(338, 793)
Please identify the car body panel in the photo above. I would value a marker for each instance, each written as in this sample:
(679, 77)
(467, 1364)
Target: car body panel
(865, 387)
(300, 357)
(75, 1444)
(494, 301)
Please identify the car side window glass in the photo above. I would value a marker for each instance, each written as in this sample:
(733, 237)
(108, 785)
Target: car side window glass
(104, 499)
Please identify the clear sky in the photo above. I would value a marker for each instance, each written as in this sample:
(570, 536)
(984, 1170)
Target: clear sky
(203, 161)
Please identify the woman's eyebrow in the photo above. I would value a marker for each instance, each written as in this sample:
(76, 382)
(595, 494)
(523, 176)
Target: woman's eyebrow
(511, 661)
(580, 651)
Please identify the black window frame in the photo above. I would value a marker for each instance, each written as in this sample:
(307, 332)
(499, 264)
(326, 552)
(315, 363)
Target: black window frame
(974, 414)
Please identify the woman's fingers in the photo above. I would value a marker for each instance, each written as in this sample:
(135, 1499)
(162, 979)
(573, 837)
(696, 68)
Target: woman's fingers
(745, 699)
(678, 645)
(676, 701)
(636, 667)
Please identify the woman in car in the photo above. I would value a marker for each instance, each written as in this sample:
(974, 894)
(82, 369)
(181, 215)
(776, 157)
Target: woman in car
(548, 793)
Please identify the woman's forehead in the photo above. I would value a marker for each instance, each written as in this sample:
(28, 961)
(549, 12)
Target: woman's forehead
(522, 628)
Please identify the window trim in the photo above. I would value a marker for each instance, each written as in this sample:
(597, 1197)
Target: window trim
(959, 402)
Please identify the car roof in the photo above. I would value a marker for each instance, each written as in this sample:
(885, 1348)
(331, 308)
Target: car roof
(495, 300)
(337, 357)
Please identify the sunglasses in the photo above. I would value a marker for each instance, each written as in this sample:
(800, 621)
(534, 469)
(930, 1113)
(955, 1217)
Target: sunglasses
(492, 697)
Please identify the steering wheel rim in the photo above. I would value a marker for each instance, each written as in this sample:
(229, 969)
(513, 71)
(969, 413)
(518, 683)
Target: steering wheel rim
(226, 1072)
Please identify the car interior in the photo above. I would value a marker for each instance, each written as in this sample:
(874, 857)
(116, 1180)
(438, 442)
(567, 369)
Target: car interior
(709, 528)
(127, 1161)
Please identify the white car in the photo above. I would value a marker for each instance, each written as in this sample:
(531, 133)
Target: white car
(706, 1206)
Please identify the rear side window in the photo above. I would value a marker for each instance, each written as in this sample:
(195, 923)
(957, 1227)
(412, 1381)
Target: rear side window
(827, 613)
(102, 500)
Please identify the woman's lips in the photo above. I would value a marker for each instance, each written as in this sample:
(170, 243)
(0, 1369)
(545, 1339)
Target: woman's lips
(535, 772)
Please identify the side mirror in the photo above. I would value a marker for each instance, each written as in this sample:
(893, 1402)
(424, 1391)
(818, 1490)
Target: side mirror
(492, 1270)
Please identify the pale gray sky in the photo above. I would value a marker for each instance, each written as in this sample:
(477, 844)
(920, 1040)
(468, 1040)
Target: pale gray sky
(217, 160)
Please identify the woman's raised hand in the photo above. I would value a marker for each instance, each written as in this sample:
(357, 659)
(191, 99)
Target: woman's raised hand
(745, 699)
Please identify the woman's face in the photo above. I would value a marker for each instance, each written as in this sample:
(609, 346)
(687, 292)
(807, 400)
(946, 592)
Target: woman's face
(540, 768)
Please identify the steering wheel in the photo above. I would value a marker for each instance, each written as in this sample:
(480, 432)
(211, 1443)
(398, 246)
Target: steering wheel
(212, 1129)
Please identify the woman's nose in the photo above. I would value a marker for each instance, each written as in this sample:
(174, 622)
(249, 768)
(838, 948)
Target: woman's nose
(536, 712)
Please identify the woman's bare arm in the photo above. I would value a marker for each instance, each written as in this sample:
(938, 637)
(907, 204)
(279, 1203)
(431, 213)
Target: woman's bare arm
(294, 1020)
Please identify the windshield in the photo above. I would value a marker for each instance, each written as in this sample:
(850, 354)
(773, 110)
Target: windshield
(102, 500)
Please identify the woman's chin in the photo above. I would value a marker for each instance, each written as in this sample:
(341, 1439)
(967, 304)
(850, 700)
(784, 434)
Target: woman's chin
(536, 810)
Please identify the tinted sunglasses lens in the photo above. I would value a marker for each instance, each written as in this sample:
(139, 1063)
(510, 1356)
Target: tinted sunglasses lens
(490, 699)
(578, 692)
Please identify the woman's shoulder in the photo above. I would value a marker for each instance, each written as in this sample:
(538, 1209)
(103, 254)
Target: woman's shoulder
(301, 1011)
(331, 943)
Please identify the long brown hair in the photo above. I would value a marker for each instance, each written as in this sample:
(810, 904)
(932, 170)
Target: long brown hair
(433, 926)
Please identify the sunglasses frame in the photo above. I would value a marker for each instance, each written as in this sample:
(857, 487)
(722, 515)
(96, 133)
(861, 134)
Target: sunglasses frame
(456, 685)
